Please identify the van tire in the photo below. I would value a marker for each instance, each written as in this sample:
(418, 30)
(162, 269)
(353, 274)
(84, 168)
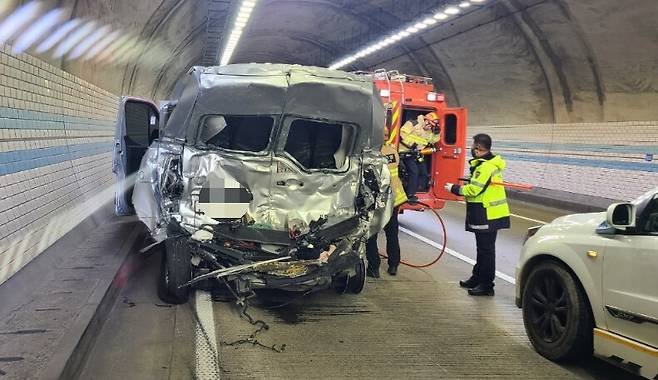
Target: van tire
(175, 270)
(556, 313)
(351, 284)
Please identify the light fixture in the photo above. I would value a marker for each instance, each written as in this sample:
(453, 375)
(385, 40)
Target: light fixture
(244, 13)
(430, 21)
(414, 27)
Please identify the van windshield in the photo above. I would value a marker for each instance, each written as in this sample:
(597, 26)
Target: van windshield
(238, 133)
(318, 144)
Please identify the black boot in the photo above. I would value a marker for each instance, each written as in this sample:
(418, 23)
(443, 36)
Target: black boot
(393, 270)
(481, 290)
(470, 283)
(371, 272)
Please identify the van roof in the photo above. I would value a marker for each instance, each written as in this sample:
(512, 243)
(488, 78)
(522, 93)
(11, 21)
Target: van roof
(277, 89)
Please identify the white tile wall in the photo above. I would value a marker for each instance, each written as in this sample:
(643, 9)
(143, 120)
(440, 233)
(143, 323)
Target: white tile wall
(42, 107)
(606, 160)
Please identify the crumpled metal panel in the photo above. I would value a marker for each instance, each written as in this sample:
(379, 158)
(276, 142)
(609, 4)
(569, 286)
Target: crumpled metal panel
(273, 205)
(150, 206)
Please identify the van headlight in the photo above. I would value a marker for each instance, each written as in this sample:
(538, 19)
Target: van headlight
(532, 231)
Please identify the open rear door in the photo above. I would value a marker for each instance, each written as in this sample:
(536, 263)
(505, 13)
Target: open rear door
(137, 127)
(451, 159)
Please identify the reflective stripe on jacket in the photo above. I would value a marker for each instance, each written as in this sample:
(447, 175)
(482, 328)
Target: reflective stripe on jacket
(393, 158)
(487, 207)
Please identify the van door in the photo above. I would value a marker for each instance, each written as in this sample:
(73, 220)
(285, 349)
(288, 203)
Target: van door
(450, 160)
(137, 128)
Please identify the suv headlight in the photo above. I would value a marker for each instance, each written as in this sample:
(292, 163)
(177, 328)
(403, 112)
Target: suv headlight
(531, 232)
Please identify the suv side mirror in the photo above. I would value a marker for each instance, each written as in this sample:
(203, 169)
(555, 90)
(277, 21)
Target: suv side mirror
(621, 216)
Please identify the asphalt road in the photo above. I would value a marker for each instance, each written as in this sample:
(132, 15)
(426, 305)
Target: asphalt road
(417, 325)
(509, 242)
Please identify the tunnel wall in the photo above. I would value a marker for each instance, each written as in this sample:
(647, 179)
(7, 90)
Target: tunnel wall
(56, 133)
(616, 161)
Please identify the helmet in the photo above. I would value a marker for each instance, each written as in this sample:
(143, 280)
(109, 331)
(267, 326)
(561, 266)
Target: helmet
(433, 121)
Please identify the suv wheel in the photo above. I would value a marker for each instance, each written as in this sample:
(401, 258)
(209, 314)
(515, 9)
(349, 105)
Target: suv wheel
(556, 314)
(175, 270)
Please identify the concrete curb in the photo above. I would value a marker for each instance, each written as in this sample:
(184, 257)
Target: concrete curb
(75, 346)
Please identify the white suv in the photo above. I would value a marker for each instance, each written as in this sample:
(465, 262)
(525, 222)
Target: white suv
(589, 282)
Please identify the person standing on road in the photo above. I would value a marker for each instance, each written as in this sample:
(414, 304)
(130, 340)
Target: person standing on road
(487, 212)
(391, 229)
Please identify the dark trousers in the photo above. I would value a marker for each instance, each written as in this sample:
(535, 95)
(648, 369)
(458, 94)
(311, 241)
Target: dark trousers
(392, 245)
(416, 175)
(485, 267)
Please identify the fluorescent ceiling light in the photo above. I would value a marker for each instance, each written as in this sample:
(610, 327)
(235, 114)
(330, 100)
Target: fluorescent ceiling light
(430, 21)
(239, 24)
(406, 31)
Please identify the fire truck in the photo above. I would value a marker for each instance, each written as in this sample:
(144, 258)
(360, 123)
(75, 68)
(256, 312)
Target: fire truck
(408, 96)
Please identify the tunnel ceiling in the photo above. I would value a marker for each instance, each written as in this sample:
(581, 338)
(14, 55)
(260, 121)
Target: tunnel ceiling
(509, 61)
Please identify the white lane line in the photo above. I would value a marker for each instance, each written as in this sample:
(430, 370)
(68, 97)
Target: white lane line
(205, 342)
(529, 219)
(456, 254)
(519, 216)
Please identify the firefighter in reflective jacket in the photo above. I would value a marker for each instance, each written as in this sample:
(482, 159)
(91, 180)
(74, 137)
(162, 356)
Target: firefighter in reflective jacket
(391, 228)
(487, 212)
(413, 138)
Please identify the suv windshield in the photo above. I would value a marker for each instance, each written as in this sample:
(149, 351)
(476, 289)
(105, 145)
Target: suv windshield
(239, 133)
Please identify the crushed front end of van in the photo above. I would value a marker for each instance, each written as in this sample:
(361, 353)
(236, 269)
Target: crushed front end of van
(261, 176)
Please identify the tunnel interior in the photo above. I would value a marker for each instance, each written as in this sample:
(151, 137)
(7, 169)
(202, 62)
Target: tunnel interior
(568, 89)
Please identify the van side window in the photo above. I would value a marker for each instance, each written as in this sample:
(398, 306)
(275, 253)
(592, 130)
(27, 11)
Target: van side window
(240, 133)
(319, 145)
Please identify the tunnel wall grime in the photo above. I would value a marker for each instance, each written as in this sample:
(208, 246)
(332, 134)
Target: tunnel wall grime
(56, 133)
(615, 160)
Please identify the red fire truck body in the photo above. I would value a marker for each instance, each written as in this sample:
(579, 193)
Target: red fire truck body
(406, 97)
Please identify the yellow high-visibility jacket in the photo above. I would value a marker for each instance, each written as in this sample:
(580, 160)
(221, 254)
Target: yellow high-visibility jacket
(486, 204)
(411, 134)
(393, 158)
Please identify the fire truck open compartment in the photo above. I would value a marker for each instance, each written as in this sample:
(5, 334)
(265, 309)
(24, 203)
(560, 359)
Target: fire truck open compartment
(406, 97)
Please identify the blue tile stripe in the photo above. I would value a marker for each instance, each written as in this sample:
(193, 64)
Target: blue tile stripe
(20, 160)
(606, 164)
(24, 119)
(619, 148)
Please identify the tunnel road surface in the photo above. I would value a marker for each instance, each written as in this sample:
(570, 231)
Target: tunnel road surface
(418, 325)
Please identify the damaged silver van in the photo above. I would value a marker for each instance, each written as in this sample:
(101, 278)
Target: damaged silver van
(257, 176)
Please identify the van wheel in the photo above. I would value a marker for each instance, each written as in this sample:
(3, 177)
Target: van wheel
(556, 313)
(175, 270)
(354, 284)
